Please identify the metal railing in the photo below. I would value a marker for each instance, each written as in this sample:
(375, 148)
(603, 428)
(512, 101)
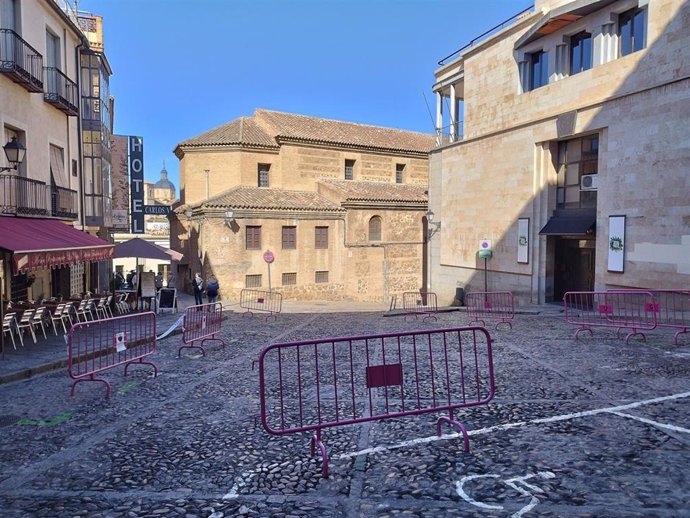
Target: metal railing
(20, 61)
(483, 36)
(63, 202)
(22, 196)
(449, 134)
(27, 197)
(61, 91)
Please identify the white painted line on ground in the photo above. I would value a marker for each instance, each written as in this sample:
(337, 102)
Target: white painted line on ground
(671, 427)
(490, 429)
(467, 498)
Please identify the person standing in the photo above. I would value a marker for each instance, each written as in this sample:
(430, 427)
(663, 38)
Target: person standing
(158, 279)
(198, 283)
(212, 287)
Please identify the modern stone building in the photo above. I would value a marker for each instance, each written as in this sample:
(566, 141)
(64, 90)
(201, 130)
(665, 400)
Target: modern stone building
(340, 205)
(565, 143)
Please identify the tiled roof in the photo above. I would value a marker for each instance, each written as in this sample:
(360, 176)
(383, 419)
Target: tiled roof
(378, 191)
(244, 130)
(314, 129)
(277, 199)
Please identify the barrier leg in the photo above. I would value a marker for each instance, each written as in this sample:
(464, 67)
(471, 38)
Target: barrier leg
(634, 332)
(92, 378)
(247, 313)
(190, 346)
(449, 419)
(273, 316)
(510, 326)
(678, 333)
(429, 317)
(316, 441)
(141, 361)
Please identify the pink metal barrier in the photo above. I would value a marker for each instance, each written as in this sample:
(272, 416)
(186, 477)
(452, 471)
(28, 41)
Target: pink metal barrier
(490, 305)
(201, 324)
(99, 345)
(672, 309)
(416, 303)
(619, 309)
(311, 385)
(264, 301)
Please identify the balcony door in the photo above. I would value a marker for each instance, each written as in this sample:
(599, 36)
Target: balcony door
(8, 14)
(52, 62)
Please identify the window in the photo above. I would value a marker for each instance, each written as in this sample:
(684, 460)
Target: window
(253, 241)
(580, 52)
(321, 277)
(321, 237)
(289, 279)
(252, 281)
(631, 31)
(576, 158)
(399, 172)
(289, 238)
(375, 229)
(349, 169)
(538, 69)
(263, 174)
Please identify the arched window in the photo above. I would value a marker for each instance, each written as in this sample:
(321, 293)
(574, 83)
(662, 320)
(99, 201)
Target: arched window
(375, 229)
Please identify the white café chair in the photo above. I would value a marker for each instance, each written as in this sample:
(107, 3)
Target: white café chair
(25, 323)
(9, 325)
(38, 318)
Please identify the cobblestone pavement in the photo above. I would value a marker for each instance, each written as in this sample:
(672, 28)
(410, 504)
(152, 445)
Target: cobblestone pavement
(577, 428)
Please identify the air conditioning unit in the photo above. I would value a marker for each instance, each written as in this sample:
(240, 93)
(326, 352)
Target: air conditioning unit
(589, 182)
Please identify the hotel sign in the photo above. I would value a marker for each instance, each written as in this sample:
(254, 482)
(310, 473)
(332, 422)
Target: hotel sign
(136, 174)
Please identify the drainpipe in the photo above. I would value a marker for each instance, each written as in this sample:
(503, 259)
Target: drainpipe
(80, 158)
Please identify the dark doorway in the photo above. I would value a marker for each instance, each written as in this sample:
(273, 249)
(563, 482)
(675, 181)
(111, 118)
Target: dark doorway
(574, 268)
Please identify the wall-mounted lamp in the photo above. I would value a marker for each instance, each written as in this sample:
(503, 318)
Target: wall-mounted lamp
(14, 152)
(229, 217)
(434, 226)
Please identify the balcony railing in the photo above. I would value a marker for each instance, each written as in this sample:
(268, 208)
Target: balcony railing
(63, 202)
(449, 134)
(60, 91)
(20, 61)
(27, 197)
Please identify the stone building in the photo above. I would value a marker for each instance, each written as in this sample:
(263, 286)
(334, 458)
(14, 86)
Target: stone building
(566, 146)
(340, 205)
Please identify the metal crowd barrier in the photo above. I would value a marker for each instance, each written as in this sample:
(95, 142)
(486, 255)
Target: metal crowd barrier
(99, 345)
(416, 303)
(620, 309)
(265, 301)
(201, 323)
(490, 305)
(312, 385)
(672, 309)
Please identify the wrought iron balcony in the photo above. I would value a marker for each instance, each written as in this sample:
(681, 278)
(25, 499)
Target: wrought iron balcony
(20, 61)
(63, 202)
(26, 197)
(60, 91)
(22, 196)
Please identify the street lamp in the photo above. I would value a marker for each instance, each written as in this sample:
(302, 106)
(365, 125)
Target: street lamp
(434, 226)
(14, 152)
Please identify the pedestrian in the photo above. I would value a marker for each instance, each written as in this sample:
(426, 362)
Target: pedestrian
(198, 283)
(212, 287)
(134, 281)
(158, 279)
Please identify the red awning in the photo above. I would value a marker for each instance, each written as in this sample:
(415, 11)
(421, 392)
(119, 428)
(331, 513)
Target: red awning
(42, 243)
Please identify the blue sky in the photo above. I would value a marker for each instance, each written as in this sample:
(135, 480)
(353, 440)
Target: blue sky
(181, 67)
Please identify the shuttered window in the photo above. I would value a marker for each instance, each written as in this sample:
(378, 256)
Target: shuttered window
(253, 241)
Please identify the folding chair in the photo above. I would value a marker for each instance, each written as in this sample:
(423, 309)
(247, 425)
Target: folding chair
(82, 310)
(108, 305)
(8, 321)
(37, 320)
(25, 323)
(57, 316)
(101, 311)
